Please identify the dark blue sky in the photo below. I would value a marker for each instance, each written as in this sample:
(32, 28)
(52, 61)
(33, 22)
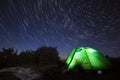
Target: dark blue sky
(65, 24)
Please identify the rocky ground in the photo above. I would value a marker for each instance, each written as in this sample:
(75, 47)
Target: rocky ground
(60, 73)
(19, 73)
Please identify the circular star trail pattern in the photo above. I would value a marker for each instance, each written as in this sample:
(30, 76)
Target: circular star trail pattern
(65, 24)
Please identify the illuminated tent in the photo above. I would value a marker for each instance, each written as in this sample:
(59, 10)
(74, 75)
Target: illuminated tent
(88, 58)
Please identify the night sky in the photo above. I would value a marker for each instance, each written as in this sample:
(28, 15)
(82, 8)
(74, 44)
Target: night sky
(65, 24)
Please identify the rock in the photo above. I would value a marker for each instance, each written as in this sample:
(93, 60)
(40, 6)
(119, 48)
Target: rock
(8, 76)
(23, 73)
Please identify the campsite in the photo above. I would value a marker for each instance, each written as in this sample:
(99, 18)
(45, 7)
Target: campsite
(53, 69)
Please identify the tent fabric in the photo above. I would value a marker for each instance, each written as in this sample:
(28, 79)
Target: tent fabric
(88, 58)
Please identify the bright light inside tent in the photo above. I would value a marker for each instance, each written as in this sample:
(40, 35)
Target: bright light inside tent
(78, 55)
(91, 50)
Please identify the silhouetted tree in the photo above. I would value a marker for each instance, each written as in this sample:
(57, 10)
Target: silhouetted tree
(47, 55)
(26, 57)
(7, 57)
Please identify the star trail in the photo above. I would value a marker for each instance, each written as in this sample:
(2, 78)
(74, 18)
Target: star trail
(65, 24)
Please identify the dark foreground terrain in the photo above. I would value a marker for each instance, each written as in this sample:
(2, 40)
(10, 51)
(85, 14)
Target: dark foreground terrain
(113, 73)
(60, 73)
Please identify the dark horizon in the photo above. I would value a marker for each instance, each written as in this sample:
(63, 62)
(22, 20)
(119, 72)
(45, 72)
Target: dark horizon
(29, 24)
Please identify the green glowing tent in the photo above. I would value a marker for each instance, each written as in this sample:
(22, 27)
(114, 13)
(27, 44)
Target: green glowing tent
(88, 58)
